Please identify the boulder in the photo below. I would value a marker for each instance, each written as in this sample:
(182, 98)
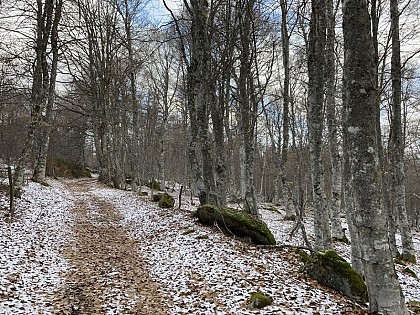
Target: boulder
(259, 300)
(157, 197)
(238, 222)
(166, 201)
(331, 270)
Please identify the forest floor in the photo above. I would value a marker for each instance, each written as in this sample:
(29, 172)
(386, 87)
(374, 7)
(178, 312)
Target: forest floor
(79, 247)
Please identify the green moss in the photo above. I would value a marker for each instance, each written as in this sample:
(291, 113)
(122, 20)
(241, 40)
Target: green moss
(247, 220)
(408, 258)
(166, 201)
(45, 184)
(342, 266)
(187, 232)
(332, 270)
(202, 237)
(303, 255)
(144, 193)
(157, 197)
(194, 214)
(236, 222)
(259, 300)
(398, 261)
(410, 272)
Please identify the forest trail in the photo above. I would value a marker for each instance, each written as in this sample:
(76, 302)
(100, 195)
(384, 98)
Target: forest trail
(107, 274)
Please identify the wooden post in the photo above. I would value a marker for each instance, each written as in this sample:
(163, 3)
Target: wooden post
(179, 198)
(11, 191)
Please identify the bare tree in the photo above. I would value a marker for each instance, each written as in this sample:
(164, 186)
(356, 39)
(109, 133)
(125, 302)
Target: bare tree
(43, 134)
(361, 107)
(48, 16)
(330, 108)
(316, 73)
(397, 152)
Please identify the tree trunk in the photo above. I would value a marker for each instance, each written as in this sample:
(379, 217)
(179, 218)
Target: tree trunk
(198, 97)
(40, 85)
(316, 69)
(247, 105)
(286, 101)
(361, 108)
(397, 153)
(335, 193)
(45, 127)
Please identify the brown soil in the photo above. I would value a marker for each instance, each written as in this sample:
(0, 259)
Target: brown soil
(107, 274)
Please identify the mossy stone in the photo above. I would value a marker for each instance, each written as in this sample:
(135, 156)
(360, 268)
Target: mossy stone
(166, 201)
(410, 272)
(303, 255)
(157, 197)
(187, 232)
(237, 222)
(408, 257)
(331, 270)
(259, 300)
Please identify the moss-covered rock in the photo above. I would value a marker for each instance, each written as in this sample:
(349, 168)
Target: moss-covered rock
(328, 268)
(187, 232)
(157, 197)
(238, 222)
(166, 201)
(259, 300)
(304, 256)
(410, 272)
(408, 257)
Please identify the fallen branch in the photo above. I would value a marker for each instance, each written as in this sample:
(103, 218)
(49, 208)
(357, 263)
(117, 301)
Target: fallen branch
(283, 246)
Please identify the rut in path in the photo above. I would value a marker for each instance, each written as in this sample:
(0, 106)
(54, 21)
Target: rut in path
(107, 273)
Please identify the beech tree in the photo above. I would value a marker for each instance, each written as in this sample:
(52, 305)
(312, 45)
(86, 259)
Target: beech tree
(316, 73)
(330, 109)
(361, 108)
(397, 153)
(48, 15)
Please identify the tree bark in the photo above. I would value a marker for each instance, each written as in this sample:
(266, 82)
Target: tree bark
(316, 73)
(361, 108)
(198, 97)
(40, 85)
(45, 127)
(336, 180)
(286, 101)
(397, 153)
(247, 104)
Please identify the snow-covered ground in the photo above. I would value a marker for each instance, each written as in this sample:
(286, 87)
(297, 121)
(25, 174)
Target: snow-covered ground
(31, 266)
(197, 269)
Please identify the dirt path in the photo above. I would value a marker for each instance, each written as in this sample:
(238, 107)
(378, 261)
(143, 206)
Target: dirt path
(107, 274)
